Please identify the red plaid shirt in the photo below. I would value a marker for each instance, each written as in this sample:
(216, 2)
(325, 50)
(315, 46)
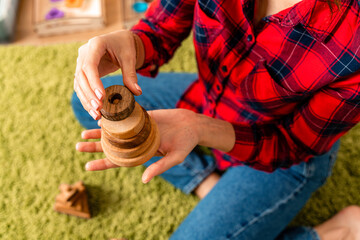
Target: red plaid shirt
(290, 86)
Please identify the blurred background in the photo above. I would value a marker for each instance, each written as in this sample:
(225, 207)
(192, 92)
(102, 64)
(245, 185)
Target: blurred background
(57, 21)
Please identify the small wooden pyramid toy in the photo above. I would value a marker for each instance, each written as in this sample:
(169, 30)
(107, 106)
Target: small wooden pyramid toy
(72, 200)
(129, 137)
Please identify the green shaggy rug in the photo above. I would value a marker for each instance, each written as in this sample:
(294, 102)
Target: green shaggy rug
(38, 133)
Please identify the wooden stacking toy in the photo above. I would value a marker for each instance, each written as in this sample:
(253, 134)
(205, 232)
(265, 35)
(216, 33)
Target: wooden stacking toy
(129, 136)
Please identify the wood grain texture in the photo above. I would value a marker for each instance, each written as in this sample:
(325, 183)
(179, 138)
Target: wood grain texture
(76, 204)
(128, 127)
(67, 191)
(118, 103)
(133, 141)
(129, 152)
(79, 209)
(146, 154)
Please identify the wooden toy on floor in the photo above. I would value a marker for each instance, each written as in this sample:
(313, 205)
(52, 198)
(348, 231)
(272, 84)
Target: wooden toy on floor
(72, 200)
(129, 137)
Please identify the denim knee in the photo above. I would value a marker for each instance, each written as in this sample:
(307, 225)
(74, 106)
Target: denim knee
(299, 233)
(81, 114)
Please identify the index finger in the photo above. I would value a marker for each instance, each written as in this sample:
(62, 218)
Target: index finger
(100, 164)
(91, 134)
(90, 65)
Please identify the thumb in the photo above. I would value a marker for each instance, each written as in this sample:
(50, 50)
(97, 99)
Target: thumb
(170, 160)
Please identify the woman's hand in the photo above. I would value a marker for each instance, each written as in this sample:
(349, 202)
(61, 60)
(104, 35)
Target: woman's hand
(180, 131)
(102, 55)
(178, 137)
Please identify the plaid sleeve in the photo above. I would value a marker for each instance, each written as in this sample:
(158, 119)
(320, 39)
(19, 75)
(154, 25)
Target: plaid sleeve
(310, 130)
(166, 24)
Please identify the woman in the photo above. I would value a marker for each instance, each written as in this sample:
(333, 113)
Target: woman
(277, 86)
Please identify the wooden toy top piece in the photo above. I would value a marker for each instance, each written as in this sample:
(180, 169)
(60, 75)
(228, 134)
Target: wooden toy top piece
(118, 103)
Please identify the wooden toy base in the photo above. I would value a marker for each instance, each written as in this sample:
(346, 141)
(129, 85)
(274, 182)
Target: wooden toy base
(72, 200)
(137, 155)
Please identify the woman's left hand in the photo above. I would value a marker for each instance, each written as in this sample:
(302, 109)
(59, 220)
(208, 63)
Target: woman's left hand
(178, 137)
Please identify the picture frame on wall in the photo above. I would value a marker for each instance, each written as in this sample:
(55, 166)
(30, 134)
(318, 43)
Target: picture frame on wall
(57, 17)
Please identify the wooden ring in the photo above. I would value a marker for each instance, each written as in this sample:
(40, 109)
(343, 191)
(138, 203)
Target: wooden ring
(129, 152)
(135, 161)
(128, 127)
(118, 103)
(133, 141)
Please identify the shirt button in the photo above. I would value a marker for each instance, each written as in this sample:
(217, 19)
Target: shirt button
(224, 68)
(249, 38)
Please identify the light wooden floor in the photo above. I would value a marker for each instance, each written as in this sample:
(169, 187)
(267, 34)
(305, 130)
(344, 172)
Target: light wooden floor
(25, 35)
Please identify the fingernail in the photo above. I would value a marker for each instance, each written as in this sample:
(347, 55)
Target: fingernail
(77, 146)
(98, 94)
(93, 114)
(138, 88)
(146, 179)
(94, 104)
(87, 166)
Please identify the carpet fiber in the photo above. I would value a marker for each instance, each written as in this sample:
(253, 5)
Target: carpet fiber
(38, 133)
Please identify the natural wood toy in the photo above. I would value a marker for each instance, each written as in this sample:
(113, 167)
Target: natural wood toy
(129, 137)
(72, 200)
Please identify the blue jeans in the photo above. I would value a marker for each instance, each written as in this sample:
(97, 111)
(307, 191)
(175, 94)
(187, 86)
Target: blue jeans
(245, 203)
